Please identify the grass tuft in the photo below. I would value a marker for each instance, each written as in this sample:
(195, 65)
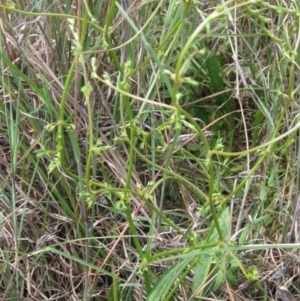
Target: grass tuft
(149, 150)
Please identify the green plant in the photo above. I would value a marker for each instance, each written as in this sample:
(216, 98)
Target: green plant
(149, 150)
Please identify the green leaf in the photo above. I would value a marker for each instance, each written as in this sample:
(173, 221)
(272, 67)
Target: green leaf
(263, 191)
(271, 181)
(216, 80)
(18, 74)
(230, 273)
(224, 223)
(219, 280)
(243, 238)
(202, 270)
(258, 120)
(166, 282)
